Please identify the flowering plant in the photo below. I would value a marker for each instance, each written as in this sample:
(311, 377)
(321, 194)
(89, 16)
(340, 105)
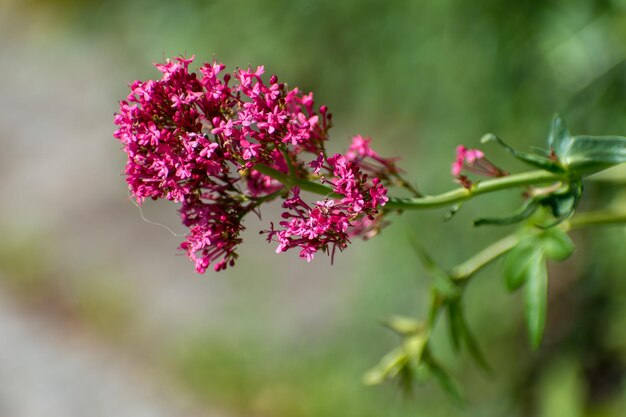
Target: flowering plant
(222, 145)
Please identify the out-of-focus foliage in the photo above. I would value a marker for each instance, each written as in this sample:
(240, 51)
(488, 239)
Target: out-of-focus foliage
(420, 77)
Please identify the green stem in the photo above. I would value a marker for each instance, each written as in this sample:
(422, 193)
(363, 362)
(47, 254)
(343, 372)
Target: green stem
(483, 258)
(306, 185)
(407, 185)
(260, 200)
(458, 195)
(597, 218)
(492, 252)
(292, 170)
(461, 194)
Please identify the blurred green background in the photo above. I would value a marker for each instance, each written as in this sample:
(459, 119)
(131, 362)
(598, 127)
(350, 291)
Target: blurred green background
(276, 336)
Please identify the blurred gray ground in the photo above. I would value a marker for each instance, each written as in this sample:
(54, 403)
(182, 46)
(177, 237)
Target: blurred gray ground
(62, 192)
(47, 372)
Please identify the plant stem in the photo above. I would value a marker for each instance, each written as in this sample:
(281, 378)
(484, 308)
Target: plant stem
(483, 258)
(597, 218)
(461, 194)
(407, 185)
(494, 251)
(305, 185)
(458, 195)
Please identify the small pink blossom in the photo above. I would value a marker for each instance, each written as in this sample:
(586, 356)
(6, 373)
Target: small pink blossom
(465, 156)
(473, 160)
(250, 150)
(317, 164)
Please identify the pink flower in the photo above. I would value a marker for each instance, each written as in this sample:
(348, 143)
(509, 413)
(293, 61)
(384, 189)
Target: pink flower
(360, 147)
(361, 152)
(260, 185)
(378, 193)
(473, 160)
(249, 150)
(222, 127)
(318, 164)
(465, 156)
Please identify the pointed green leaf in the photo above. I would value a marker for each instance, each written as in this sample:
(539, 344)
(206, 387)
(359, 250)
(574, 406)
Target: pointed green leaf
(374, 376)
(534, 160)
(425, 259)
(562, 207)
(536, 299)
(559, 137)
(406, 379)
(541, 151)
(474, 348)
(404, 326)
(538, 161)
(518, 263)
(460, 333)
(557, 244)
(446, 382)
(455, 324)
(524, 212)
(587, 155)
(443, 283)
(615, 175)
(563, 204)
(387, 368)
(414, 347)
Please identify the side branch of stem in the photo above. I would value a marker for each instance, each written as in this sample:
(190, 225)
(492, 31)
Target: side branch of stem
(494, 251)
(458, 195)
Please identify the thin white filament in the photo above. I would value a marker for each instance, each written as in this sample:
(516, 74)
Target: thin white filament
(143, 217)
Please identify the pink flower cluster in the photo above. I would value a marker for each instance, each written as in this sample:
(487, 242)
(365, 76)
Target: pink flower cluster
(201, 139)
(330, 223)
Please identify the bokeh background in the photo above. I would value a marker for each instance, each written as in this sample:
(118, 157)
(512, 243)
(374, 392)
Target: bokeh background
(98, 314)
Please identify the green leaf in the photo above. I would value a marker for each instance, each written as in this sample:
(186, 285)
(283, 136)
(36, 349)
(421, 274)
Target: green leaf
(559, 138)
(455, 323)
(587, 155)
(443, 283)
(519, 262)
(460, 333)
(564, 203)
(536, 299)
(394, 362)
(524, 212)
(374, 376)
(388, 367)
(557, 244)
(474, 348)
(406, 379)
(404, 326)
(425, 259)
(538, 161)
(446, 382)
(414, 347)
